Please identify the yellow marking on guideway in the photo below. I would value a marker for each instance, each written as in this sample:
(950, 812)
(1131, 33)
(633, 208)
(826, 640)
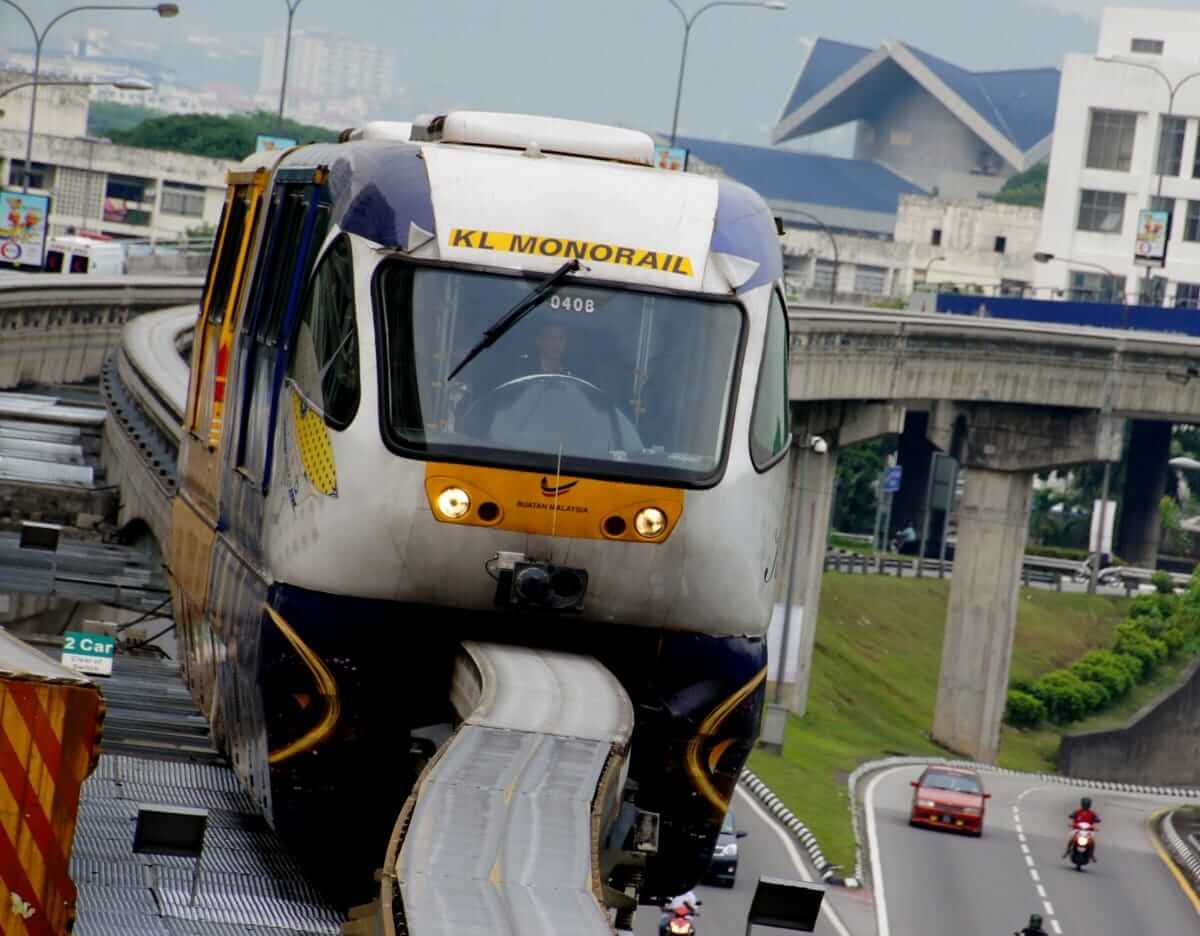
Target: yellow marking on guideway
(1188, 891)
(570, 248)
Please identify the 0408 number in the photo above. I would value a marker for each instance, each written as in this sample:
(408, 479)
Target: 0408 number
(572, 303)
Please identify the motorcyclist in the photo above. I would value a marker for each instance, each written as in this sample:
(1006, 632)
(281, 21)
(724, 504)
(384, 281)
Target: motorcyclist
(687, 902)
(1034, 928)
(1084, 813)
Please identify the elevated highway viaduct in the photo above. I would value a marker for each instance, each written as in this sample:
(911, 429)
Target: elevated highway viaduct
(1006, 398)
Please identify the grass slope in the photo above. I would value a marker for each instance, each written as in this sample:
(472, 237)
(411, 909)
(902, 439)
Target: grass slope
(875, 668)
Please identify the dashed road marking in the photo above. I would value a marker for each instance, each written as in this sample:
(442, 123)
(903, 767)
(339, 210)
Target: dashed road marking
(1033, 871)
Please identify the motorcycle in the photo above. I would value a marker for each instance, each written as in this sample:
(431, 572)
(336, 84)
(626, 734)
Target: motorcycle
(681, 924)
(1082, 835)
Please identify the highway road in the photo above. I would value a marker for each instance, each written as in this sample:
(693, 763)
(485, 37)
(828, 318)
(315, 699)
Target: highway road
(943, 883)
(765, 852)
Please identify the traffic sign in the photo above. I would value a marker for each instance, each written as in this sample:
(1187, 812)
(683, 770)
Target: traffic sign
(891, 479)
(88, 653)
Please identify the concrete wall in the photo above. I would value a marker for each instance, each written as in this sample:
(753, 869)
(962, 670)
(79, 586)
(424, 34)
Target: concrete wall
(62, 110)
(918, 137)
(1160, 745)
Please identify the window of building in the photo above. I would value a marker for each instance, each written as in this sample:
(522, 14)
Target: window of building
(1170, 145)
(900, 138)
(128, 200)
(1191, 221)
(324, 360)
(869, 279)
(936, 237)
(1011, 287)
(1110, 141)
(179, 198)
(1101, 211)
(1187, 295)
(1088, 286)
(823, 275)
(42, 176)
(1146, 46)
(1162, 203)
(1000, 244)
(770, 423)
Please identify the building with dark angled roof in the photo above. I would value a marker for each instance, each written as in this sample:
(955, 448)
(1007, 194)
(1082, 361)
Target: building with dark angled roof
(953, 132)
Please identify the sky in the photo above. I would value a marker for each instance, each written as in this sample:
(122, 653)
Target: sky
(614, 61)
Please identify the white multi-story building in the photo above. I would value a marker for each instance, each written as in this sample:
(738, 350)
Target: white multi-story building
(1125, 139)
(329, 76)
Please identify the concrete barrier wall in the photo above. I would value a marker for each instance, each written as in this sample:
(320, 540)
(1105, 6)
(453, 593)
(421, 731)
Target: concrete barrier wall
(1160, 744)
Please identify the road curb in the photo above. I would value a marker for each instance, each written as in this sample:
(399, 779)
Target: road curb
(828, 872)
(786, 818)
(1185, 857)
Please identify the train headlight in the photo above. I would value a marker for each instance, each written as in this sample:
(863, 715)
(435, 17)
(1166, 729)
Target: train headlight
(650, 522)
(453, 503)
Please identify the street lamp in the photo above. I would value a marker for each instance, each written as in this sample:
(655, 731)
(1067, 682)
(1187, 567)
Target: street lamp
(1043, 257)
(122, 84)
(687, 30)
(292, 6)
(164, 10)
(832, 240)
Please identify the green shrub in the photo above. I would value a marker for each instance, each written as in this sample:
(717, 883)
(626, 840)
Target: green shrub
(1095, 696)
(1103, 667)
(1024, 710)
(1156, 607)
(1132, 665)
(1163, 583)
(1063, 695)
(1133, 641)
(1175, 640)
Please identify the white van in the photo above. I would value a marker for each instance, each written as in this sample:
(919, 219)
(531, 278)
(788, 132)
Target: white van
(74, 254)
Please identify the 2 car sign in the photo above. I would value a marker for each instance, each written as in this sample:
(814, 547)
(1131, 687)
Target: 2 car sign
(91, 654)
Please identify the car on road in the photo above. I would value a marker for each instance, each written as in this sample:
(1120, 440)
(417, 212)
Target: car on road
(949, 798)
(723, 869)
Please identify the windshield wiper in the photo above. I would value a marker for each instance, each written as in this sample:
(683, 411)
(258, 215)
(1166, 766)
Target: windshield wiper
(510, 318)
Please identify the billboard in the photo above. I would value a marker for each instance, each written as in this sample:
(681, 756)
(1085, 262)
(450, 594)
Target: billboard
(23, 220)
(266, 144)
(1153, 230)
(671, 158)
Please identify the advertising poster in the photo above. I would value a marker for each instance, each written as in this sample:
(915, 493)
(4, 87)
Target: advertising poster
(671, 158)
(266, 144)
(23, 220)
(1153, 230)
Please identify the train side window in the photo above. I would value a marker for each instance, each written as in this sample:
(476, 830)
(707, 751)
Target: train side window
(283, 263)
(227, 263)
(770, 422)
(323, 363)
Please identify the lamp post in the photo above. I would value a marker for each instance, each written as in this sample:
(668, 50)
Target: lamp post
(164, 10)
(1172, 89)
(1043, 257)
(833, 242)
(292, 6)
(687, 30)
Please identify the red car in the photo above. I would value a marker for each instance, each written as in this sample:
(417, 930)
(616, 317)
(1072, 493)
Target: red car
(949, 798)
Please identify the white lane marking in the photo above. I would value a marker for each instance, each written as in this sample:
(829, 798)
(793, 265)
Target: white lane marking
(1033, 872)
(881, 918)
(789, 846)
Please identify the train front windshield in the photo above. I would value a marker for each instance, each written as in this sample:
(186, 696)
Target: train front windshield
(611, 381)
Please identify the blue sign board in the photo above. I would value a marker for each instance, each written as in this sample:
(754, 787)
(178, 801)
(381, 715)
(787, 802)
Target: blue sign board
(671, 158)
(269, 143)
(891, 479)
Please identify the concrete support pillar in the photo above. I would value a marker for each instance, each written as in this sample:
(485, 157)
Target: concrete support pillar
(1146, 471)
(813, 477)
(915, 456)
(981, 619)
(1002, 446)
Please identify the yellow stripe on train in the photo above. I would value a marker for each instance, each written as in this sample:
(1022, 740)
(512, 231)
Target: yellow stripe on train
(570, 248)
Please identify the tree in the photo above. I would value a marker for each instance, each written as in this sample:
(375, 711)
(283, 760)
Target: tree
(858, 471)
(105, 117)
(232, 137)
(1025, 188)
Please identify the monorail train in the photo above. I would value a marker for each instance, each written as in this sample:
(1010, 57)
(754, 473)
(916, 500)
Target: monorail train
(489, 376)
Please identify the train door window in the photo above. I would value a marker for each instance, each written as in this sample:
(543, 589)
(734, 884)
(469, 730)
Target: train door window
(220, 283)
(770, 423)
(323, 363)
(79, 263)
(284, 273)
(54, 261)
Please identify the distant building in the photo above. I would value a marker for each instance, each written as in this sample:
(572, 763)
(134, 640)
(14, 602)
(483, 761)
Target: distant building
(953, 132)
(123, 191)
(1122, 144)
(329, 76)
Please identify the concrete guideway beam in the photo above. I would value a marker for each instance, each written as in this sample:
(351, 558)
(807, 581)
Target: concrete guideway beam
(1002, 447)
